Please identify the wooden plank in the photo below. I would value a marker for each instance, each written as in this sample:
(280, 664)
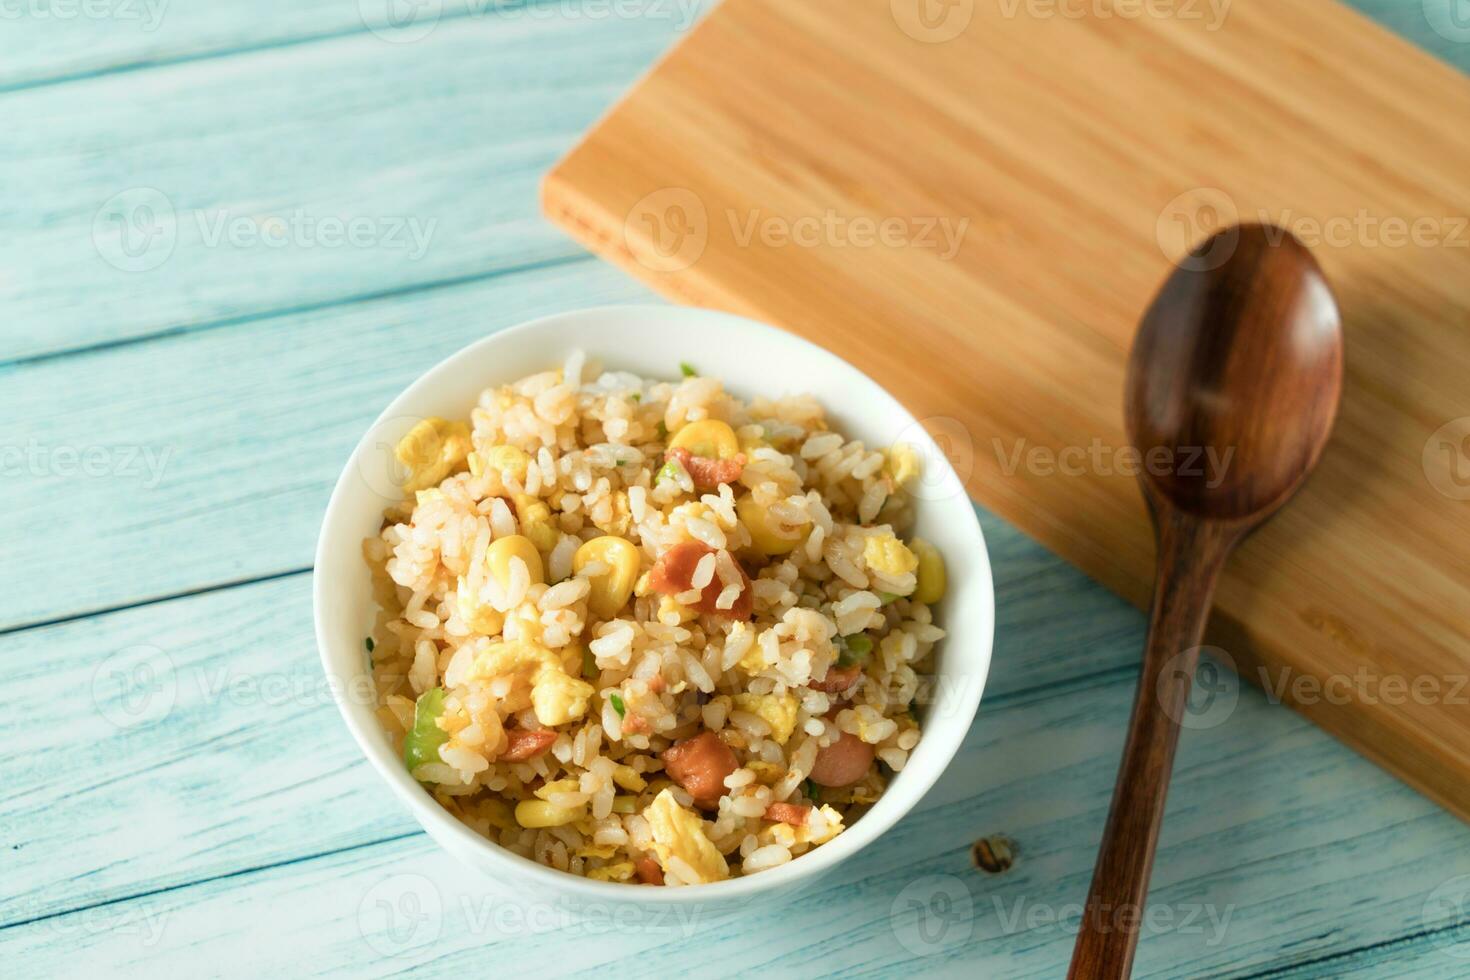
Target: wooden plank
(107, 36)
(163, 745)
(1281, 848)
(127, 34)
(228, 439)
(1081, 192)
(165, 199)
(1438, 957)
(229, 745)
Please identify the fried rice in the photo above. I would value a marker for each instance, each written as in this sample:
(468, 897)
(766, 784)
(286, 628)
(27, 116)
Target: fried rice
(645, 631)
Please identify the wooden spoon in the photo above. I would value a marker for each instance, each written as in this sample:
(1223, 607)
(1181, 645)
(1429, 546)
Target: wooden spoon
(1240, 353)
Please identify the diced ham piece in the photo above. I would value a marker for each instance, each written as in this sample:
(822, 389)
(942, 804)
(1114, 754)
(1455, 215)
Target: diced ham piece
(792, 813)
(673, 573)
(707, 473)
(648, 871)
(526, 744)
(700, 765)
(843, 762)
(838, 679)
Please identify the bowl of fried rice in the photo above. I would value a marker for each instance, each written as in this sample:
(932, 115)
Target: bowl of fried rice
(653, 603)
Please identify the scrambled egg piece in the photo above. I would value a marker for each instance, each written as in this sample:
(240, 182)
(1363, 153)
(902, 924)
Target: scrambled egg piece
(509, 460)
(556, 697)
(627, 777)
(482, 618)
(679, 833)
(766, 773)
(622, 871)
(430, 451)
(789, 836)
(778, 711)
(535, 518)
(902, 465)
(886, 554)
(603, 851)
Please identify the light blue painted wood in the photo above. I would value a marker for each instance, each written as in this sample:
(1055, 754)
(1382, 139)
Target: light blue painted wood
(292, 177)
(38, 49)
(43, 46)
(1292, 852)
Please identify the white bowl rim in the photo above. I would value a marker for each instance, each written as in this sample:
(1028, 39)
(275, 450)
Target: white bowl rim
(444, 828)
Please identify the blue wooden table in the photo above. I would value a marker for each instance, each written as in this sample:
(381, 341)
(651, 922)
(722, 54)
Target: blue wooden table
(230, 232)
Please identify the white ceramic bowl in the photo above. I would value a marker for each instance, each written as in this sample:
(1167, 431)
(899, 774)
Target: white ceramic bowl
(751, 359)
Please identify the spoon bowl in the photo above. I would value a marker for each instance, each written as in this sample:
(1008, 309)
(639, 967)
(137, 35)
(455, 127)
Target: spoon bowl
(1242, 359)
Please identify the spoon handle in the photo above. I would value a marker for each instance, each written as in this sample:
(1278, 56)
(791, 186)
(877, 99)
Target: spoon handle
(1191, 555)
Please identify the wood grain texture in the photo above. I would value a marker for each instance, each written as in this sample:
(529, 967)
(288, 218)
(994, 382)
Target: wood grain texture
(1037, 130)
(1293, 851)
(208, 192)
(41, 48)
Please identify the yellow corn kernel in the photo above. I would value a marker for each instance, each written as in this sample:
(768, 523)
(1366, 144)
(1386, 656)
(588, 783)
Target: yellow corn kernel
(902, 464)
(931, 575)
(430, 451)
(502, 550)
(709, 438)
(621, 871)
(558, 786)
(611, 588)
(629, 779)
(534, 814)
(509, 460)
(770, 536)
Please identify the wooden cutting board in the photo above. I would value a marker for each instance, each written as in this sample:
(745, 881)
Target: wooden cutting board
(801, 162)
